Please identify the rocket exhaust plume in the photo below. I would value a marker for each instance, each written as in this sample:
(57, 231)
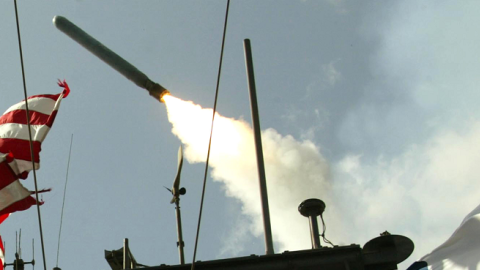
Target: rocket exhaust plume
(295, 170)
(112, 59)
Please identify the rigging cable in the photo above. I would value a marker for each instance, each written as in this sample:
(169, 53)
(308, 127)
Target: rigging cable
(30, 137)
(211, 133)
(64, 195)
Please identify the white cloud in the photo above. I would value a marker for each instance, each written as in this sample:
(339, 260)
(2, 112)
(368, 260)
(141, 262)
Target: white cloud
(423, 193)
(339, 5)
(328, 77)
(415, 134)
(331, 74)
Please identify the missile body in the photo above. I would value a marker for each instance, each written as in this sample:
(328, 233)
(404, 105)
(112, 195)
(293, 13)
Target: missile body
(112, 59)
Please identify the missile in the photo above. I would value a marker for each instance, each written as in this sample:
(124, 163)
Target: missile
(108, 56)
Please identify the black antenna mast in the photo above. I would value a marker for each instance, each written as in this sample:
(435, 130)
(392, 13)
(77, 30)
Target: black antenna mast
(18, 263)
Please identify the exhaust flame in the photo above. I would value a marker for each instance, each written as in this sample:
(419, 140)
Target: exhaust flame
(295, 170)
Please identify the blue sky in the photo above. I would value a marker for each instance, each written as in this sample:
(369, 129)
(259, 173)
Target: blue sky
(380, 97)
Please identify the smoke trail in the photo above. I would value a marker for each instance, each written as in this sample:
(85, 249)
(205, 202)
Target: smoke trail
(295, 170)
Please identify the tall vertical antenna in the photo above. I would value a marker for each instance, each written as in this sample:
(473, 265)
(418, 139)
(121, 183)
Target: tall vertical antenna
(258, 146)
(64, 195)
(33, 253)
(20, 244)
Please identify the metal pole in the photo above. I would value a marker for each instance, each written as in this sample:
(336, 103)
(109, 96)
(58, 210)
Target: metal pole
(180, 243)
(315, 234)
(258, 146)
(126, 255)
(312, 208)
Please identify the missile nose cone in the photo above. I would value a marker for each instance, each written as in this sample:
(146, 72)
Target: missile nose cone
(56, 19)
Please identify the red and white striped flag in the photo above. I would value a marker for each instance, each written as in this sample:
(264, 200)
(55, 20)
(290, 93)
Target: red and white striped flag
(3, 217)
(2, 248)
(14, 136)
(2, 254)
(13, 195)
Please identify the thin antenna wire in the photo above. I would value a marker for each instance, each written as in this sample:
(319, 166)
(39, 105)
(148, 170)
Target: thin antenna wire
(20, 244)
(64, 195)
(30, 137)
(211, 133)
(33, 253)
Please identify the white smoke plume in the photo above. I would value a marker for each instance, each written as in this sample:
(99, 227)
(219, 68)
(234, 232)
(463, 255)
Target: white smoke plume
(295, 170)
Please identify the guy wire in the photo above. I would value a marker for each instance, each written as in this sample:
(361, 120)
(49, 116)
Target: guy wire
(211, 133)
(64, 195)
(30, 137)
